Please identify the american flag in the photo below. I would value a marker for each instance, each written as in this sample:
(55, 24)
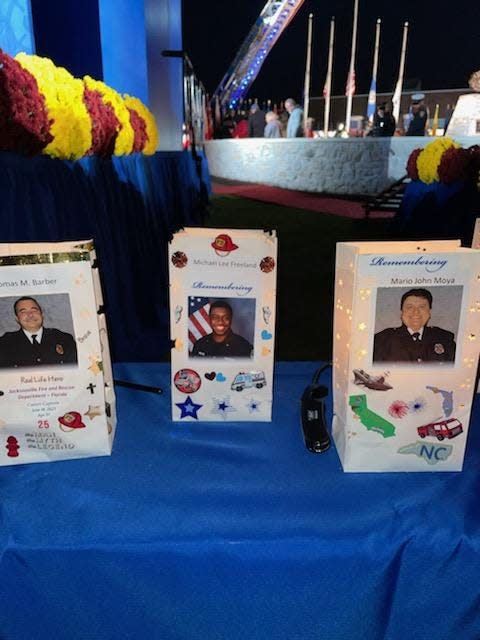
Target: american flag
(198, 321)
(350, 86)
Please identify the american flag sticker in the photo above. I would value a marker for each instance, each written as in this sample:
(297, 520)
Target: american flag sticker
(198, 320)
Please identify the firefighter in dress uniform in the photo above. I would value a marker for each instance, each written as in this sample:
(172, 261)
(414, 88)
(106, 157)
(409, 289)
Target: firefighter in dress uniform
(33, 344)
(414, 340)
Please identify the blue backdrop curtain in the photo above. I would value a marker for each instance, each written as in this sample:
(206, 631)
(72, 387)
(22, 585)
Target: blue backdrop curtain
(130, 206)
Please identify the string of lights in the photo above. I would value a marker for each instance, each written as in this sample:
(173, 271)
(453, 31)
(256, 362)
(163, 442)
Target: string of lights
(274, 18)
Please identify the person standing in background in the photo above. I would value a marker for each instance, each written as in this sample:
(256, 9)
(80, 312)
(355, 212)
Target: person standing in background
(419, 116)
(272, 128)
(256, 122)
(295, 120)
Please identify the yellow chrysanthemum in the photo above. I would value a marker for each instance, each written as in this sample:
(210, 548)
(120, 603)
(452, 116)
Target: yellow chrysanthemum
(71, 126)
(429, 159)
(148, 117)
(125, 135)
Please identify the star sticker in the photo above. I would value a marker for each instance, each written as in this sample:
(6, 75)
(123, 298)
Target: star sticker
(85, 313)
(93, 411)
(222, 407)
(80, 279)
(253, 405)
(96, 366)
(188, 408)
(178, 344)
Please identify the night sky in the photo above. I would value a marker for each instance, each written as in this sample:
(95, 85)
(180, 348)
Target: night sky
(443, 47)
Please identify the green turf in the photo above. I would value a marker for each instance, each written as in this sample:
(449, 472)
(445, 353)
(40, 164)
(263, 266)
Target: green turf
(306, 265)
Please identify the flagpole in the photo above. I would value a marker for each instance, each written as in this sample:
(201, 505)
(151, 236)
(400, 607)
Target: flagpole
(397, 96)
(328, 82)
(306, 88)
(372, 95)
(435, 120)
(351, 72)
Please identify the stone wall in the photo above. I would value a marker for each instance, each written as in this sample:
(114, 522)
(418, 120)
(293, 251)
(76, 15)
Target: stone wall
(356, 166)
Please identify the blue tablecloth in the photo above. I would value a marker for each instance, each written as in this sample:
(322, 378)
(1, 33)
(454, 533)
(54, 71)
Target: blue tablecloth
(202, 531)
(130, 206)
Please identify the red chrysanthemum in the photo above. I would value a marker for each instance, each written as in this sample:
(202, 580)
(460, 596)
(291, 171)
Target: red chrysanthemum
(105, 124)
(24, 123)
(474, 156)
(139, 127)
(412, 170)
(455, 165)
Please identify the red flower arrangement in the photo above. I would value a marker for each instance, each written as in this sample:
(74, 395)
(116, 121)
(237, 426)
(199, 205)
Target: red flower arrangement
(24, 123)
(104, 124)
(474, 154)
(455, 166)
(139, 127)
(412, 170)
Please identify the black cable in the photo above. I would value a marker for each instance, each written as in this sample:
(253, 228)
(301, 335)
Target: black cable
(137, 387)
(319, 371)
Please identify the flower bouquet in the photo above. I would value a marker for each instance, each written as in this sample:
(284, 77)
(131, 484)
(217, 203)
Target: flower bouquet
(44, 109)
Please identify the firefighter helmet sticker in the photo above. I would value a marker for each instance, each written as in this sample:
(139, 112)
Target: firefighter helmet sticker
(70, 421)
(187, 381)
(223, 245)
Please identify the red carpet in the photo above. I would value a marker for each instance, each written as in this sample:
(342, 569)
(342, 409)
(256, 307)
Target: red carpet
(298, 199)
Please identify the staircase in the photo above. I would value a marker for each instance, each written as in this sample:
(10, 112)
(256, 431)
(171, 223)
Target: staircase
(389, 199)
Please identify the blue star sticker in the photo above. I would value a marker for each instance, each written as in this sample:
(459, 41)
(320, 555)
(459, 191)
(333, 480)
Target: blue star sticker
(188, 408)
(253, 405)
(222, 407)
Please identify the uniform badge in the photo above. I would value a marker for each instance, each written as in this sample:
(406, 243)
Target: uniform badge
(439, 349)
(59, 349)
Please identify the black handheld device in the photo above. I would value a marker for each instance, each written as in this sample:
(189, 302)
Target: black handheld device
(315, 434)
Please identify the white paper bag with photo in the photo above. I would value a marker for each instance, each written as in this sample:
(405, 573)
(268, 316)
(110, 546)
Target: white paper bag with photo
(222, 324)
(57, 399)
(406, 346)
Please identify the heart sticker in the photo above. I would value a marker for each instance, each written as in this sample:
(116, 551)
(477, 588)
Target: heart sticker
(210, 376)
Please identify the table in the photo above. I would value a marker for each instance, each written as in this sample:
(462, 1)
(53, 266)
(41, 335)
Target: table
(234, 530)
